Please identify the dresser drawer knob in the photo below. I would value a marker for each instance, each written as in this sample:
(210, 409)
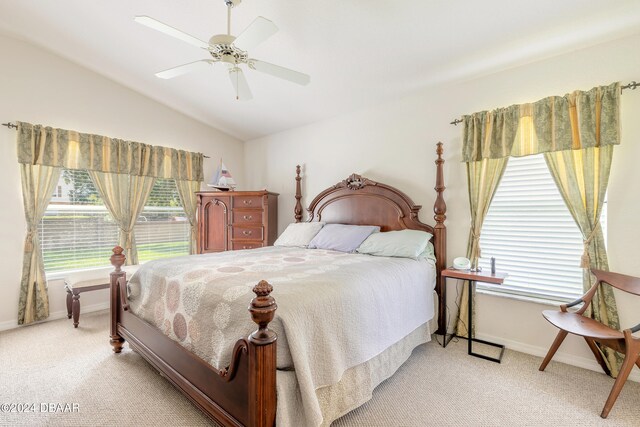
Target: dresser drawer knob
(247, 232)
(247, 202)
(247, 217)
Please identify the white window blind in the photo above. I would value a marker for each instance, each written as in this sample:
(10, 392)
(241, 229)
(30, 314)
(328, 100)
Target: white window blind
(530, 232)
(163, 229)
(76, 231)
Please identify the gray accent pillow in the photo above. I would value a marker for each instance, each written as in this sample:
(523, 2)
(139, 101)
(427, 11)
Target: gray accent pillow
(342, 237)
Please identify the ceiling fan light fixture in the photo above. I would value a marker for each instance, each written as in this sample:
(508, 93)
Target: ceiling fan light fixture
(230, 60)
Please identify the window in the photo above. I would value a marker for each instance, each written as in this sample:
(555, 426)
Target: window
(530, 232)
(57, 192)
(163, 229)
(77, 232)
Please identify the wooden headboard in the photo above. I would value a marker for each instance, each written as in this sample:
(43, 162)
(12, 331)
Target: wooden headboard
(360, 201)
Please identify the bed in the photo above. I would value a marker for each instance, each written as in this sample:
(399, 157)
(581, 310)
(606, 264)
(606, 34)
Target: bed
(236, 381)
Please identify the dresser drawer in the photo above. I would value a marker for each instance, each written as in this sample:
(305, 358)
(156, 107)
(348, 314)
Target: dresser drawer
(247, 202)
(238, 244)
(246, 233)
(246, 216)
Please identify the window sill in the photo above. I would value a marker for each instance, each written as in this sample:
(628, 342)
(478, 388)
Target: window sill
(523, 298)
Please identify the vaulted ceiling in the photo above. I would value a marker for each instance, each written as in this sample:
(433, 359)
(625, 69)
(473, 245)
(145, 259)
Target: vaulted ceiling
(358, 52)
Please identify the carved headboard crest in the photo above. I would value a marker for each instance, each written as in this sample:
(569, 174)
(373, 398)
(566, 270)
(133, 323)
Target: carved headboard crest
(355, 182)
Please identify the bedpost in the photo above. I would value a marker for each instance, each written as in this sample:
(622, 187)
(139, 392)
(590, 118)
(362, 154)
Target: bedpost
(440, 230)
(297, 211)
(117, 260)
(262, 359)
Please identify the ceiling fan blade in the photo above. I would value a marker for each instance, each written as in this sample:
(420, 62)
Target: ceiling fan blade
(182, 69)
(280, 72)
(257, 32)
(240, 85)
(170, 31)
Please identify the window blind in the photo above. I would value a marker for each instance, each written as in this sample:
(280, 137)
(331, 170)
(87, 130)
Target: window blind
(76, 231)
(162, 229)
(530, 232)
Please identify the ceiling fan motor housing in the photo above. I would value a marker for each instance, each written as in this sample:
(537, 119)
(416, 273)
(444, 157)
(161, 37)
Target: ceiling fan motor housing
(222, 49)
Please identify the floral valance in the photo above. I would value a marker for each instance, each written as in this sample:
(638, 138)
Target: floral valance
(40, 145)
(575, 121)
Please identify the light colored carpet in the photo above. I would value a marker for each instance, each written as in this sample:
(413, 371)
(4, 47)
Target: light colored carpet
(53, 363)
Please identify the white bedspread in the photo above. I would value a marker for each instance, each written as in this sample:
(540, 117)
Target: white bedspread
(335, 310)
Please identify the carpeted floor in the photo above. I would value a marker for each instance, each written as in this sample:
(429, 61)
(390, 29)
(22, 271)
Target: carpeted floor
(52, 363)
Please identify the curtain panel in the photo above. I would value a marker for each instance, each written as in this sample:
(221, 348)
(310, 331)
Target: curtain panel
(187, 192)
(483, 178)
(38, 183)
(125, 197)
(572, 122)
(582, 177)
(40, 145)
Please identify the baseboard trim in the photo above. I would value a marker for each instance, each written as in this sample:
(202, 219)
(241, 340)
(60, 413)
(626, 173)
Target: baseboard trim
(579, 361)
(62, 314)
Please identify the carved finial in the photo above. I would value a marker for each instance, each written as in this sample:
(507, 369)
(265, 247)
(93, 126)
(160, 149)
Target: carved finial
(262, 289)
(118, 259)
(297, 211)
(263, 308)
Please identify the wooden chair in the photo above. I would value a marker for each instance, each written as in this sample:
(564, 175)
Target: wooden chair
(593, 331)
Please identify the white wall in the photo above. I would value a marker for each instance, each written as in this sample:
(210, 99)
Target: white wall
(39, 87)
(394, 143)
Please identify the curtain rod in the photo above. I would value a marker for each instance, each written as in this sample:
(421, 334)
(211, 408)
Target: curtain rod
(633, 85)
(14, 126)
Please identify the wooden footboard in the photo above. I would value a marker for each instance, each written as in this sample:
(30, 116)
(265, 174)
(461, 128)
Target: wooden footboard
(243, 394)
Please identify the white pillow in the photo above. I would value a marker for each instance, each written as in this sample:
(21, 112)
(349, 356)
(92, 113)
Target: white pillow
(403, 243)
(299, 234)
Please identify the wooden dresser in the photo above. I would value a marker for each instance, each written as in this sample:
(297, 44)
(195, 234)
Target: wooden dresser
(229, 220)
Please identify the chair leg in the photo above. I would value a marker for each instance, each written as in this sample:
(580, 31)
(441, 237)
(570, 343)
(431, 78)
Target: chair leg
(597, 354)
(554, 347)
(631, 358)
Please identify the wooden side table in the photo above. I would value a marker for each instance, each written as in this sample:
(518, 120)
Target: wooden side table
(74, 289)
(472, 278)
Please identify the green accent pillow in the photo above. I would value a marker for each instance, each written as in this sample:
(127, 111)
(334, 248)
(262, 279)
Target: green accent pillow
(429, 253)
(403, 243)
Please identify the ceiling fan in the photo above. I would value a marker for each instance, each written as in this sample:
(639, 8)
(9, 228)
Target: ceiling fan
(229, 50)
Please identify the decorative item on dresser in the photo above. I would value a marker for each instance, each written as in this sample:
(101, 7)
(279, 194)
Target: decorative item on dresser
(233, 220)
